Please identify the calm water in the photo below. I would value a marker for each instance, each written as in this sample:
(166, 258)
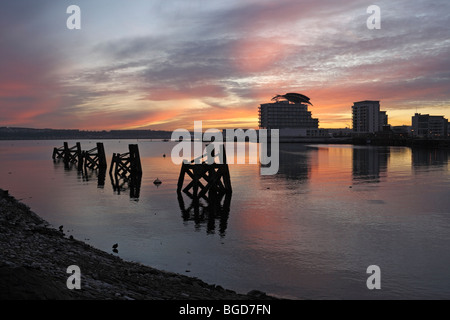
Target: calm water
(309, 232)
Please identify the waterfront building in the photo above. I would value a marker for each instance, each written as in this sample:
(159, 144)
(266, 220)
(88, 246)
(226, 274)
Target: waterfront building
(424, 125)
(287, 112)
(367, 117)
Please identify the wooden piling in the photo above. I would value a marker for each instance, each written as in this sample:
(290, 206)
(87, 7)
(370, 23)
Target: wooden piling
(127, 168)
(66, 152)
(95, 158)
(101, 156)
(135, 159)
(205, 178)
(127, 163)
(71, 155)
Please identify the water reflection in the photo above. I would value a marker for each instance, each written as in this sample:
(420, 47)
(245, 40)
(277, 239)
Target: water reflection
(201, 211)
(369, 162)
(294, 161)
(100, 175)
(429, 157)
(124, 183)
(68, 166)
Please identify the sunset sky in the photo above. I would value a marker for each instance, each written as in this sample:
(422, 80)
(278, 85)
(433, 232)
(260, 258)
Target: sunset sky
(162, 64)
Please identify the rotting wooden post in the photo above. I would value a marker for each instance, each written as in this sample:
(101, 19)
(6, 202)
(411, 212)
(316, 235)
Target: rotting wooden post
(78, 149)
(181, 177)
(101, 178)
(101, 155)
(79, 154)
(113, 163)
(66, 152)
(135, 159)
(226, 171)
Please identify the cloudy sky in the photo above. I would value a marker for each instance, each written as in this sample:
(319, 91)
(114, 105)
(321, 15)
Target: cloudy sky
(161, 64)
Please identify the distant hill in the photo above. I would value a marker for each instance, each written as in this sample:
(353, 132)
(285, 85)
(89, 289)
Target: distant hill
(12, 133)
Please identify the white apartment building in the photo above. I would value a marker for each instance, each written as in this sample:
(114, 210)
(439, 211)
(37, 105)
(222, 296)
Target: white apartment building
(367, 117)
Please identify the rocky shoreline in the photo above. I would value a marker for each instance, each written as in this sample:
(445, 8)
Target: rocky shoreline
(34, 258)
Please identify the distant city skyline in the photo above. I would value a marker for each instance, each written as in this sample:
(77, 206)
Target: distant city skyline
(162, 65)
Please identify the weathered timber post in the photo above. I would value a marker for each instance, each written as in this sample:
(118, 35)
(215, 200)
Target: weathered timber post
(113, 162)
(135, 159)
(79, 157)
(66, 152)
(101, 155)
(95, 158)
(128, 168)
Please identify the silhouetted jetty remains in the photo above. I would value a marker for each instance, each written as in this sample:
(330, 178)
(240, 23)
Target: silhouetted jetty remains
(207, 179)
(95, 158)
(127, 168)
(127, 163)
(72, 155)
(211, 182)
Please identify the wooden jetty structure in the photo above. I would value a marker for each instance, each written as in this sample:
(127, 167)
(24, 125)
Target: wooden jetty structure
(73, 155)
(127, 169)
(128, 163)
(208, 180)
(95, 158)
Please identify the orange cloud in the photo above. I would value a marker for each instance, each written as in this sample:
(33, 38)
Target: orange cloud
(258, 55)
